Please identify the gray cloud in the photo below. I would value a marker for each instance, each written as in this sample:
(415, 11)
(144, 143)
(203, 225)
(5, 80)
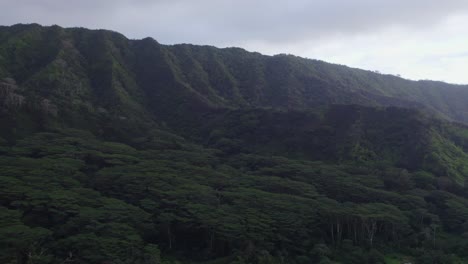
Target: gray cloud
(229, 22)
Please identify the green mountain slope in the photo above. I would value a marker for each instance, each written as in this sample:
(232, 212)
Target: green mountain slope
(103, 69)
(128, 151)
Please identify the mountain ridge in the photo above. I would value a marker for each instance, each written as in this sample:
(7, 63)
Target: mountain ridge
(233, 77)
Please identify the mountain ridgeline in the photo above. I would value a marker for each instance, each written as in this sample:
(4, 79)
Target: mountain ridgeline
(129, 151)
(104, 70)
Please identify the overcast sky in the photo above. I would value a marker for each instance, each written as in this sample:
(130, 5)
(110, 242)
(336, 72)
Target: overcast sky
(419, 39)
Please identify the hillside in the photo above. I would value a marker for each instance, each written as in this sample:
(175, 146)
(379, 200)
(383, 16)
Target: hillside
(128, 151)
(106, 71)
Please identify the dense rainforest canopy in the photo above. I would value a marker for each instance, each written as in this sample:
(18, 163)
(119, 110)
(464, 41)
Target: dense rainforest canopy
(128, 151)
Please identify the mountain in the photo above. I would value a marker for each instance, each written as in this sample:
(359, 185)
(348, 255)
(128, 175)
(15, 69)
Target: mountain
(129, 151)
(104, 70)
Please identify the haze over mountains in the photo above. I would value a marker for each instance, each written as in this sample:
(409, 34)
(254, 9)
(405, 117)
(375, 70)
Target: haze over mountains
(129, 151)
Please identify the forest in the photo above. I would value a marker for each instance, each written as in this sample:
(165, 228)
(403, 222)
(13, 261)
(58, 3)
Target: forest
(129, 151)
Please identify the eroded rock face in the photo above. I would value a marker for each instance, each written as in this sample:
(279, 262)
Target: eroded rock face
(8, 96)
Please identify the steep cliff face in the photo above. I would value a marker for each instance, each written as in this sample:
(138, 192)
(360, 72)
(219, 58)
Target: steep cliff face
(79, 69)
